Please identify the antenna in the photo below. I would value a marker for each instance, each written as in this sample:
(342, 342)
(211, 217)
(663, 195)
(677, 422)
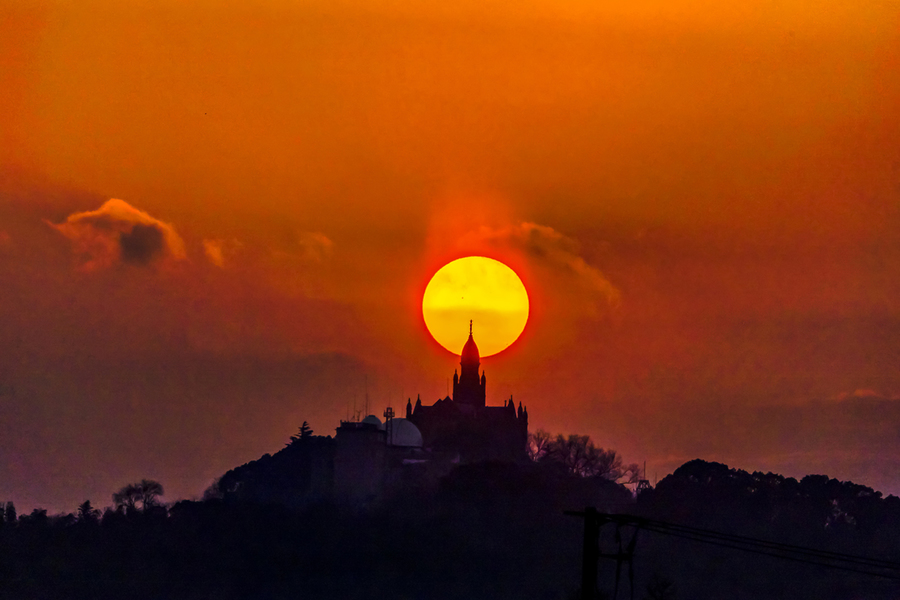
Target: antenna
(388, 426)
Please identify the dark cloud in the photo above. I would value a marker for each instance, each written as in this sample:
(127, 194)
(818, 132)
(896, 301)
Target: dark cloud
(142, 244)
(550, 247)
(119, 232)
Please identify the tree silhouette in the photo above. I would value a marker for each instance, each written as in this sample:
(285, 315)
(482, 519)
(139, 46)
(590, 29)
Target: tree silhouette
(579, 456)
(538, 445)
(303, 433)
(38, 517)
(127, 497)
(87, 513)
(150, 491)
(145, 494)
(10, 513)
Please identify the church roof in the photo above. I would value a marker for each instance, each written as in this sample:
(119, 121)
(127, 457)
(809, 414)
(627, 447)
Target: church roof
(470, 350)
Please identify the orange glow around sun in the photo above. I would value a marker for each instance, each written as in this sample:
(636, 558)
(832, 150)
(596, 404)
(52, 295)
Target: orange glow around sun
(479, 289)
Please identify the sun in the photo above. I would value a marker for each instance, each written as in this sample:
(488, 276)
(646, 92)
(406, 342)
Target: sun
(481, 290)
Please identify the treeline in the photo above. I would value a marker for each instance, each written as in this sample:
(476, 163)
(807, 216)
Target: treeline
(489, 530)
(142, 497)
(815, 512)
(578, 455)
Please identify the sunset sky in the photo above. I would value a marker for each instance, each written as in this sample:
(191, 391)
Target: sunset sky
(218, 218)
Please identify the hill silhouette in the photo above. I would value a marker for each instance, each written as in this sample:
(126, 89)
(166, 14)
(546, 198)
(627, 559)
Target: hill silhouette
(485, 530)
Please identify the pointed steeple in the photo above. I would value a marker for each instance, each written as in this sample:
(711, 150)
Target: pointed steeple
(469, 388)
(470, 356)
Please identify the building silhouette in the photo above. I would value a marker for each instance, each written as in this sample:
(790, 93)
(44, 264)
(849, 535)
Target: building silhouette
(370, 460)
(464, 424)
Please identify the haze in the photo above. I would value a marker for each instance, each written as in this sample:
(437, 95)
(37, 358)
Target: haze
(702, 200)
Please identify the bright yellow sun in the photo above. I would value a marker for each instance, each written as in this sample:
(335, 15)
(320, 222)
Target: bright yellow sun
(479, 289)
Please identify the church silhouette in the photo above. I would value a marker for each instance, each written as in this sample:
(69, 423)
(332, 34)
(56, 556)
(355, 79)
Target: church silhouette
(372, 457)
(464, 423)
(370, 460)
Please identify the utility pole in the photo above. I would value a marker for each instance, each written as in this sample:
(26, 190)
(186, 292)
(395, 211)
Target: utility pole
(590, 553)
(388, 426)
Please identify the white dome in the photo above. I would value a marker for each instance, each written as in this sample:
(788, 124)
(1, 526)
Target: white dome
(374, 421)
(401, 432)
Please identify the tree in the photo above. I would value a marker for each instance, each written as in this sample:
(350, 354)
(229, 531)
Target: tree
(87, 513)
(10, 513)
(213, 492)
(145, 494)
(127, 497)
(538, 445)
(38, 517)
(150, 491)
(304, 433)
(579, 456)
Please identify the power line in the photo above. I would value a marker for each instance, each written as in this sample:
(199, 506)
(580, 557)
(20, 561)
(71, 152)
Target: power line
(593, 520)
(670, 528)
(774, 553)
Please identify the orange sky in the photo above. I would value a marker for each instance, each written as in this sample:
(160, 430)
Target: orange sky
(703, 201)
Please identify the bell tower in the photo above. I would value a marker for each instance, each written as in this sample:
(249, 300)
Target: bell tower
(468, 387)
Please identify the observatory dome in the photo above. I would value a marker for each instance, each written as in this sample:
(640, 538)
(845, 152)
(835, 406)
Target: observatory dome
(401, 432)
(372, 419)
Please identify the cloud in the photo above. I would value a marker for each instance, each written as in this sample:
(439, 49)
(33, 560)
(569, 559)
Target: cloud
(315, 246)
(548, 246)
(865, 393)
(308, 246)
(217, 251)
(118, 232)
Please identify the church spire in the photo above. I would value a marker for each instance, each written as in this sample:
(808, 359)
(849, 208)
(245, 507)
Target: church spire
(469, 388)
(470, 357)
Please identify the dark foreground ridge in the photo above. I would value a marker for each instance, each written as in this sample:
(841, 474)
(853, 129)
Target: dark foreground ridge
(490, 530)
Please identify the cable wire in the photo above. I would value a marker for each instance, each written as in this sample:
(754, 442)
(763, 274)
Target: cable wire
(740, 539)
(750, 549)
